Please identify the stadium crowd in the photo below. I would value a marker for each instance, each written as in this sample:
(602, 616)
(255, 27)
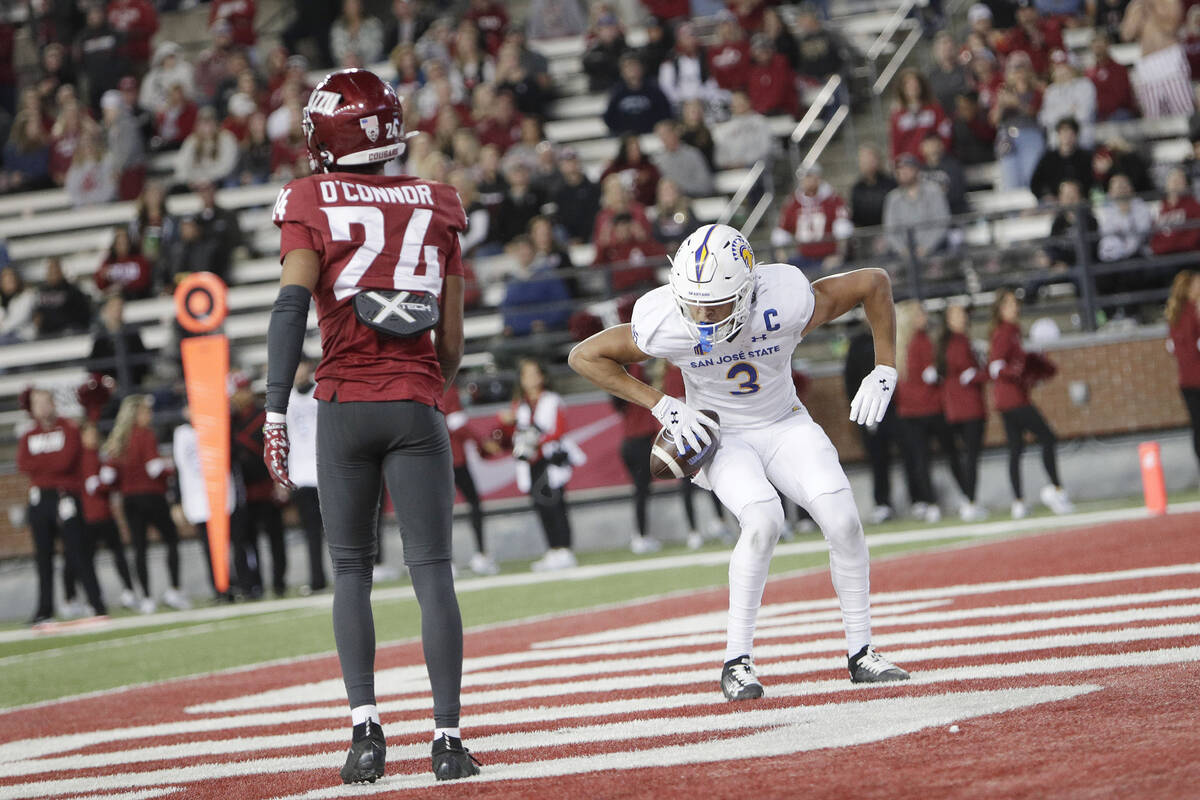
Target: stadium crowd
(108, 96)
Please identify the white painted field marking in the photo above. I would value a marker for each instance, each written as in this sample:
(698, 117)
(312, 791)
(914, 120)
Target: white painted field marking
(796, 730)
(19, 758)
(333, 690)
(788, 730)
(712, 558)
(141, 794)
(654, 630)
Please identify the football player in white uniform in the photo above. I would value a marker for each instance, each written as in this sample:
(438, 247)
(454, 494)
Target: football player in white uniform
(731, 327)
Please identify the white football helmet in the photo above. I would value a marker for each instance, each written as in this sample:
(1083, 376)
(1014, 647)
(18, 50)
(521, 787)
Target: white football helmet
(712, 268)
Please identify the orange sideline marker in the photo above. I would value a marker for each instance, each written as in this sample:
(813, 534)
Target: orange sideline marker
(1154, 485)
(200, 307)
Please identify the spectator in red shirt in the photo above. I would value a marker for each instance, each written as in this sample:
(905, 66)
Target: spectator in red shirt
(749, 14)
(1114, 93)
(240, 16)
(138, 21)
(98, 479)
(636, 171)
(770, 82)
(919, 406)
(1183, 317)
(1014, 373)
(132, 449)
(963, 378)
(915, 114)
(502, 127)
(124, 268)
(729, 57)
(632, 255)
(492, 21)
(1177, 229)
(814, 224)
(175, 122)
(1034, 36)
(48, 455)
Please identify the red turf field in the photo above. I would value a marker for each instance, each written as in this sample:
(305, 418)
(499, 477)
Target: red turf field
(1066, 660)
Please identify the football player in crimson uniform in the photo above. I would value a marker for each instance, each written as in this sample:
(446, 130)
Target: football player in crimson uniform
(731, 327)
(381, 256)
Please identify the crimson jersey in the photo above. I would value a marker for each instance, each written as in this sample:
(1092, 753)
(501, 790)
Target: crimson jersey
(816, 222)
(373, 232)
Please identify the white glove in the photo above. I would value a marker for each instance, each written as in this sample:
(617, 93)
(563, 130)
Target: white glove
(91, 484)
(156, 467)
(995, 367)
(108, 475)
(929, 375)
(874, 393)
(686, 425)
(967, 375)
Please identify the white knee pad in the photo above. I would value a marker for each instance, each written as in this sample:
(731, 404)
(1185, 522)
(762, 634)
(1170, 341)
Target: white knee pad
(762, 524)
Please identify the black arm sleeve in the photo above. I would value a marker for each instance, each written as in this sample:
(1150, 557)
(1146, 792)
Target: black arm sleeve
(285, 343)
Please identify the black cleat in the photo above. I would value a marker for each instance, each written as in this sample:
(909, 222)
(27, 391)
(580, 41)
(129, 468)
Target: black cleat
(867, 666)
(451, 760)
(738, 680)
(364, 762)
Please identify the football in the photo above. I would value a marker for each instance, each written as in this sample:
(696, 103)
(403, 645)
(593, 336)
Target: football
(666, 461)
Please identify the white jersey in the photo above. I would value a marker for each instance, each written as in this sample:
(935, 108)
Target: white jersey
(302, 433)
(748, 380)
(193, 494)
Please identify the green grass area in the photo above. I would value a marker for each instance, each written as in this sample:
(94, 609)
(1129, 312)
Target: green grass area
(107, 659)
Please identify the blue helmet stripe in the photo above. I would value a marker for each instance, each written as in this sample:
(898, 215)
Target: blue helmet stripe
(702, 253)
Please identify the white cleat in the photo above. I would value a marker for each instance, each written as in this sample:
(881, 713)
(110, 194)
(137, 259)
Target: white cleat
(483, 565)
(643, 545)
(555, 559)
(176, 599)
(694, 540)
(148, 606)
(129, 599)
(972, 513)
(1019, 511)
(1056, 500)
(881, 514)
(918, 509)
(75, 609)
(933, 513)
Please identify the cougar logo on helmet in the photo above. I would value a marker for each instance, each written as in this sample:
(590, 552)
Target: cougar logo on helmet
(370, 126)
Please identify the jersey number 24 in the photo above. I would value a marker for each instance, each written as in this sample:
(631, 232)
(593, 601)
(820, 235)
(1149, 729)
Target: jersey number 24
(412, 272)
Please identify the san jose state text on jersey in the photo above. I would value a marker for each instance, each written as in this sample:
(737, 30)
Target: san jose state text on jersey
(747, 380)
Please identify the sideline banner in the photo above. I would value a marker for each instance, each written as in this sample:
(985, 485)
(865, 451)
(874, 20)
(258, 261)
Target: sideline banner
(200, 307)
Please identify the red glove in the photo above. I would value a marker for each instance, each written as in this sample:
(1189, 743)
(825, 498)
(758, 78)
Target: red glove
(275, 448)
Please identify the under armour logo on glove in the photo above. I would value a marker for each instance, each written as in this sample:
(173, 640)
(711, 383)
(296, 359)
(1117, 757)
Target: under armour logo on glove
(874, 394)
(275, 448)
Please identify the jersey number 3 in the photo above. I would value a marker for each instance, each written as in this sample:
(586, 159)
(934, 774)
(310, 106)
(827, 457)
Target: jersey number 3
(412, 272)
(748, 386)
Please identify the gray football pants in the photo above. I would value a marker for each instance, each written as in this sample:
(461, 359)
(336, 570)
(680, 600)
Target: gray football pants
(359, 445)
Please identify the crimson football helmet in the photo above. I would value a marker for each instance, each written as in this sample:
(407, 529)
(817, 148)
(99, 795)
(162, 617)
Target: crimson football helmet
(352, 118)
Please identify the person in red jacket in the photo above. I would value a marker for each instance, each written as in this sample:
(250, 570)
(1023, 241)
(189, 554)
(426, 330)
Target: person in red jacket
(814, 225)
(1114, 92)
(240, 16)
(962, 402)
(124, 268)
(915, 115)
(1177, 229)
(1014, 373)
(770, 81)
(132, 449)
(918, 404)
(97, 480)
(729, 57)
(639, 427)
(48, 455)
(1034, 36)
(491, 20)
(257, 510)
(1183, 317)
(458, 424)
(138, 22)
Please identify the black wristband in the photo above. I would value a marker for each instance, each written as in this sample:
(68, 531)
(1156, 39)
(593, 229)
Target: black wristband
(285, 343)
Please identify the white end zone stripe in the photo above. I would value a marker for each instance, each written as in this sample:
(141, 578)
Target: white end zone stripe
(668, 459)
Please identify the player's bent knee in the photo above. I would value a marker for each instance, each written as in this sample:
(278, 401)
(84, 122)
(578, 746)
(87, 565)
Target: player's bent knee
(837, 516)
(762, 524)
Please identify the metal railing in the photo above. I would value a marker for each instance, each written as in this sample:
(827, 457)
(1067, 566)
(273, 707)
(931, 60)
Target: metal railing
(753, 178)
